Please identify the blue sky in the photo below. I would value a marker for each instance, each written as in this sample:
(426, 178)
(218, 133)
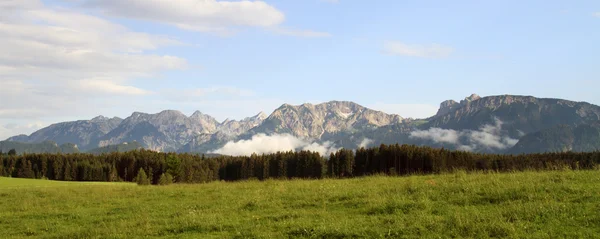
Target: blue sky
(234, 59)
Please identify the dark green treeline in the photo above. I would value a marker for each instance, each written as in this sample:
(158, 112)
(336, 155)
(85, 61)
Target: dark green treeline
(189, 168)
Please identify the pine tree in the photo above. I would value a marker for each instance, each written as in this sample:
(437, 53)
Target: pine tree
(169, 178)
(113, 175)
(142, 178)
(165, 179)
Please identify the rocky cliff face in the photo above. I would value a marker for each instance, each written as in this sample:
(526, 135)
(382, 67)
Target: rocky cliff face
(165, 131)
(312, 121)
(235, 128)
(450, 105)
(204, 123)
(447, 106)
(228, 130)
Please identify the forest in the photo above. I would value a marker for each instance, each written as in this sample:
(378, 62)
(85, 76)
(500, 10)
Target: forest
(150, 167)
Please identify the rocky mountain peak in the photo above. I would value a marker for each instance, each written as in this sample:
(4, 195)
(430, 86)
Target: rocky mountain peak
(450, 105)
(260, 117)
(447, 106)
(231, 128)
(137, 115)
(100, 118)
(171, 113)
(472, 97)
(197, 114)
(204, 118)
(103, 119)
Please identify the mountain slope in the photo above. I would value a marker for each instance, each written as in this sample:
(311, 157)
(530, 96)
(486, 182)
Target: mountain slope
(123, 147)
(43, 147)
(165, 131)
(82, 133)
(561, 138)
(228, 130)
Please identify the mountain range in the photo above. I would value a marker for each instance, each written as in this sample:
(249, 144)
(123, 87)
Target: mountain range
(493, 124)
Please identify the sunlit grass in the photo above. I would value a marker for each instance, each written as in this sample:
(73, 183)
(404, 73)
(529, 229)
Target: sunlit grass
(527, 204)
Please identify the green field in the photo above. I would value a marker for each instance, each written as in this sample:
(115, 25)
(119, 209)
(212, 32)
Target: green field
(553, 204)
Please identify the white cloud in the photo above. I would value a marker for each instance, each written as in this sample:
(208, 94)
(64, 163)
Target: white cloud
(365, 143)
(53, 59)
(300, 33)
(106, 86)
(18, 4)
(262, 143)
(423, 51)
(596, 14)
(488, 136)
(198, 15)
(56, 62)
(438, 135)
(331, 1)
(324, 149)
(223, 18)
(418, 111)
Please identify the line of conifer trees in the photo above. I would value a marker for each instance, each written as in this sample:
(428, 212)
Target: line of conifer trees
(164, 168)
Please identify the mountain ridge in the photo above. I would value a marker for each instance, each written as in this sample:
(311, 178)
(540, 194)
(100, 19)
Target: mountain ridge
(344, 123)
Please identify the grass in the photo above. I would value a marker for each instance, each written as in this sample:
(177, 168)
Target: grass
(552, 204)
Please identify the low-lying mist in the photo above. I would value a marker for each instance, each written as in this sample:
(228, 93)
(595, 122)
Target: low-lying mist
(488, 136)
(262, 143)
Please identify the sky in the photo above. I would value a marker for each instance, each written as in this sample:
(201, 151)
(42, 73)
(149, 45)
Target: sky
(64, 60)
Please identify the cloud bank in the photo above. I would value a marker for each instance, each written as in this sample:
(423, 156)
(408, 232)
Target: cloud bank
(488, 136)
(223, 18)
(54, 59)
(195, 15)
(266, 144)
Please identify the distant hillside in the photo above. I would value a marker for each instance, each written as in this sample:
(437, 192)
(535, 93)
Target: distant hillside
(561, 138)
(44, 147)
(123, 147)
(81, 132)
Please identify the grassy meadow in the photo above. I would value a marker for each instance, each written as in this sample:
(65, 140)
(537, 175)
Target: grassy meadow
(553, 204)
